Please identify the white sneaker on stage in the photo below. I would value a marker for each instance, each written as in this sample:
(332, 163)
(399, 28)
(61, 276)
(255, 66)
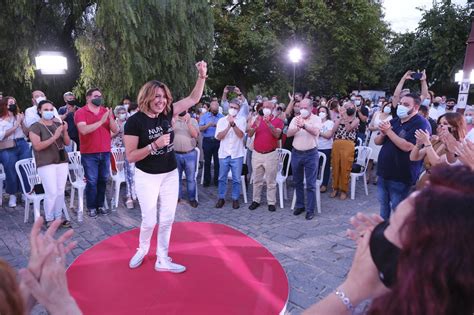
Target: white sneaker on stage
(137, 259)
(167, 265)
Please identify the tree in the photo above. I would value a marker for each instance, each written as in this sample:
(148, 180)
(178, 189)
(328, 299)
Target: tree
(126, 43)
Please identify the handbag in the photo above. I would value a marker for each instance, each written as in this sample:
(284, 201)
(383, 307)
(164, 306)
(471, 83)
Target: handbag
(7, 144)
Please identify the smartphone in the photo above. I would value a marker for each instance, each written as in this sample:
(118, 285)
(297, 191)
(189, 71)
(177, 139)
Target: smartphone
(416, 75)
(231, 88)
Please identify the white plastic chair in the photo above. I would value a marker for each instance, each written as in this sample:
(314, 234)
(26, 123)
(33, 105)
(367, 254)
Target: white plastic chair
(78, 182)
(198, 154)
(319, 181)
(242, 179)
(2, 178)
(282, 174)
(363, 156)
(118, 155)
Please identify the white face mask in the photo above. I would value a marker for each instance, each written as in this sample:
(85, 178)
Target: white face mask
(322, 115)
(387, 110)
(267, 112)
(304, 113)
(133, 112)
(126, 107)
(39, 99)
(323, 103)
(122, 116)
(232, 112)
(203, 110)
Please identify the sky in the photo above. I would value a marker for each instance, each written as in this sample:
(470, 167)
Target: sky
(403, 15)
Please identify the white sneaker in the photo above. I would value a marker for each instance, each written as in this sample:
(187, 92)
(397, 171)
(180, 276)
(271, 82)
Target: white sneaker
(12, 201)
(167, 265)
(137, 259)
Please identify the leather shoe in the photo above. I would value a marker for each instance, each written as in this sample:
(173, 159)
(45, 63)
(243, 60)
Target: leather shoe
(271, 208)
(235, 204)
(206, 185)
(309, 215)
(220, 203)
(254, 205)
(298, 211)
(193, 203)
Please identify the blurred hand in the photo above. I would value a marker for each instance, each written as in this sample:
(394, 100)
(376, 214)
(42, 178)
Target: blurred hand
(230, 119)
(187, 118)
(291, 97)
(361, 223)
(105, 116)
(202, 68)
(407, 75)
(58, 131)
(385, 126)
(465, 152)
(65, 125)
(423, 76)
(163, 141)
(423, 137)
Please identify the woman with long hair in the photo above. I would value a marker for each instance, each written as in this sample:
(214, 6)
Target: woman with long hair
(149, 144)
(325, 142)
(421, 261)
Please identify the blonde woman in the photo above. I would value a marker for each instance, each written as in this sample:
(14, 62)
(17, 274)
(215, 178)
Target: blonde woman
(149, 144)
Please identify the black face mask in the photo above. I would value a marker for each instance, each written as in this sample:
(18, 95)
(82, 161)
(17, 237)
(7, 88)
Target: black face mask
(435, 104)
(73, 103)
(182, 114)
(214, 112)
(449, 107)
(260, 112)
(12, 108)
(384, 254)
(350, 111)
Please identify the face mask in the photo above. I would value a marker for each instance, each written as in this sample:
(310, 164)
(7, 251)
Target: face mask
(468, 120)
(357, 102)
(39, 99)
(232, 112)
(322, 115)
(353, 98)
(350, 111)
(426, 102)
(380, 104)
(274, 101)
(203, 110)
(12, 107)
(182, 114)
(304, 113)
(297, 111)
(260, 112)
(323, 103)
(73, 102)
(126, 107)
(435, 104)
(384, 254)
(403, 112)
(450, 107)
(47, 115)
(267, 112)
(122, 116)
(387, 110)
(97, 101)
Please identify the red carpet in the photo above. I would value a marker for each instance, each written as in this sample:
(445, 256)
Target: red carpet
(227, 273)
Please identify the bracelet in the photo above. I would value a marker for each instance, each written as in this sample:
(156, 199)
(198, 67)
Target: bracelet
(427, 145)
(203, 76)
(345, 299)
(232, 124)
(150, 148)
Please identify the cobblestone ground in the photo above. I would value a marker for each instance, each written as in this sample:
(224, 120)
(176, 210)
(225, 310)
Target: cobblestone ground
(315, 254)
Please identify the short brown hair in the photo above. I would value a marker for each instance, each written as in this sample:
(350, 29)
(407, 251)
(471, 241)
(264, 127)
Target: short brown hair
(11, 301)
(147, 95)
(92, 90)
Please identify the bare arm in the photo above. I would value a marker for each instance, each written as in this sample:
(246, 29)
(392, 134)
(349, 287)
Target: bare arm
(424, 86)
(131, 149)
(398, 89)
(401, 143)
(39, 145)
(418, 153)
(195, 96)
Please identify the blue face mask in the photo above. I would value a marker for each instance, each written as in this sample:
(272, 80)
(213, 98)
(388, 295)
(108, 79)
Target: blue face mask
(387, 110)
(403, 112)
(426, 102)
(48, 115)
(357, 102)
(468, 120)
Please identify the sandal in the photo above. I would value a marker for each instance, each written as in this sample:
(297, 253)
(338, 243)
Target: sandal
(334, 194)
(343, 196)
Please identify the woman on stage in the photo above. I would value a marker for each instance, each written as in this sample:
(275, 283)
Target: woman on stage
(149, 143)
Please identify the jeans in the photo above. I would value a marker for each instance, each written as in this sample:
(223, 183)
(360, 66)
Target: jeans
(8, 157)
(235, 166)
(390, 193)
(187, 164)
(53, 177)
(210, 147)
(97, 172)
(129, 178)
(327, 167)
(305, 164)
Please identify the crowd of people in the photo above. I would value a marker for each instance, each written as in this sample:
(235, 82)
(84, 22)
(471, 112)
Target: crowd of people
(418, 141)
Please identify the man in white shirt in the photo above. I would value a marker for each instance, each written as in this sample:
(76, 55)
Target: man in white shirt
(31, 113)
(436, 109)
(305, 157)
(230, 131)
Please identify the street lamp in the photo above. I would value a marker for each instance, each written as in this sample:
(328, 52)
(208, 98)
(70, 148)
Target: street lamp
(51, 62)
(295, 56)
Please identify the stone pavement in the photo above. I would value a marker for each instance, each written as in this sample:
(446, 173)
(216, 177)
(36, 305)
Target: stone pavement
(315, 254)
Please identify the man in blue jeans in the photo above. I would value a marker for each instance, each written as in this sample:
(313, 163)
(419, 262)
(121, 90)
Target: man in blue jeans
(94, 123)
(396, 173)
(230, 132)
(210, 145)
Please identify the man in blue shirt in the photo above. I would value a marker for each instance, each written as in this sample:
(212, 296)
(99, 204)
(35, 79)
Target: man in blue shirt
(396, 173)
(210, 145)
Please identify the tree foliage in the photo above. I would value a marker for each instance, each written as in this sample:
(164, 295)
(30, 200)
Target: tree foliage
(126, 43)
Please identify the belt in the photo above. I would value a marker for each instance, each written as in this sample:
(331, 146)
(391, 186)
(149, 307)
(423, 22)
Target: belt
(210, 138)
(305, 151)
(178, 152)
(265, 152)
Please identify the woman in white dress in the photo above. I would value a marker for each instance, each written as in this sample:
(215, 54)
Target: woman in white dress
(382, 115)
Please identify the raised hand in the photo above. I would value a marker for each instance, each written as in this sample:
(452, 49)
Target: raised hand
(291, 97)
(407, 75)
(202, 68)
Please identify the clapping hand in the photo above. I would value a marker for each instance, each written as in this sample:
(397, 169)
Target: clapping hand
(385, 126)
(422, 136)
(230, 119)
(465, 152)
(299, 122)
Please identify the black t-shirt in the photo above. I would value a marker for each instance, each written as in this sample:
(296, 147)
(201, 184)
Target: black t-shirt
(147, 130)
(363, 125)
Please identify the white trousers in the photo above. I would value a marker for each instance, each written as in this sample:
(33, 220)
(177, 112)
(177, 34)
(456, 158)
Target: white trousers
(53, 177)
(153, 191)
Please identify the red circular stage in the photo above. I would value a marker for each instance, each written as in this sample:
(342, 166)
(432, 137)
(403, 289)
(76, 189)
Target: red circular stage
(227, 273)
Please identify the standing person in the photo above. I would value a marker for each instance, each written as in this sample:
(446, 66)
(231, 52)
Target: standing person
(49, 138)
(13, 146)
(363, 116)
(210, 145)
(305, 158)
(149, 143)
(267, 130)
(325, 143)
(396, 173)
(95, 122)
(230, 131)
(66, 113)
(342, 157)
(244, 105)
(31, 113)
(186, 132)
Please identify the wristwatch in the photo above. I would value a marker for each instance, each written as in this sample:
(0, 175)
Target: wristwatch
(232, 124)
(304, 127)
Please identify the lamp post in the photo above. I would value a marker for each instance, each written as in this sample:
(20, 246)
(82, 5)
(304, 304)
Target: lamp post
(466, 76)
(295, 56)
